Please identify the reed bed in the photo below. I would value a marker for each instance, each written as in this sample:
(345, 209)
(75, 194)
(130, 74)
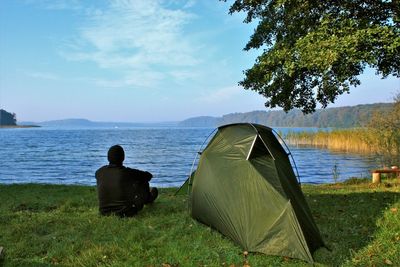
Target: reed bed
(356, 140)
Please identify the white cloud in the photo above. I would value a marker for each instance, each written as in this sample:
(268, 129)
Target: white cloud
(221, 95)
(183, 75)
(225, 100)
(189, 4)
(136, 36)
(57, 4)
(142, 79)
(42, 75)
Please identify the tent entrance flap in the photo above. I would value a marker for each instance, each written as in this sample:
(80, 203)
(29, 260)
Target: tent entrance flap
(185, 188)
(251, 148)
(258, 148)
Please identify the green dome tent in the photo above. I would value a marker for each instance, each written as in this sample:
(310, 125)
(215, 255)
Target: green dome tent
(245, 188)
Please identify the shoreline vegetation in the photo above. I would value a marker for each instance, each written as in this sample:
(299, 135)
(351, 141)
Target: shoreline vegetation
(343, 117)
(380, 136)
(347, 140)
(385, 144)
(43, 225)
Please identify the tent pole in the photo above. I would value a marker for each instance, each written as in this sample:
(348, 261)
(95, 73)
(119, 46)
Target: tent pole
(290, 154)
(195, 158)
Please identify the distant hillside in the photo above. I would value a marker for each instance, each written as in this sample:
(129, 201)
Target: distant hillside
(203, 121)
(89, 124)
(342, 117)
(68, 123)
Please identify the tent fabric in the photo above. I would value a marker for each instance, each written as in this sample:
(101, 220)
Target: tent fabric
(244, 187)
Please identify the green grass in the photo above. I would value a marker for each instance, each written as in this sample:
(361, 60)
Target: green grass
(42, 225)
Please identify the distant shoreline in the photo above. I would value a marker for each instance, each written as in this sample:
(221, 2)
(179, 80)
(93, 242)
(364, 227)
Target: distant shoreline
(18, 126)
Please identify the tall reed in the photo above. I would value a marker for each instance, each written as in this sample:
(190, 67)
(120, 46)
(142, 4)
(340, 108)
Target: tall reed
(381, 136)
(348, 140)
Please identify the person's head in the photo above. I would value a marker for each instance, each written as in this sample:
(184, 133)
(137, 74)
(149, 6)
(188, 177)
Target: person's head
(116, 155)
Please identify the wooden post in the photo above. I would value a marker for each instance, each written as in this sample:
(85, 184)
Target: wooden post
(376, 177)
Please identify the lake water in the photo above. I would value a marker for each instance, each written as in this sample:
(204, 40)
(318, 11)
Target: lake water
(71, 156)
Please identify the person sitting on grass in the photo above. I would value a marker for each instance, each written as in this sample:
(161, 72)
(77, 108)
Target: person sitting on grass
(121, 190)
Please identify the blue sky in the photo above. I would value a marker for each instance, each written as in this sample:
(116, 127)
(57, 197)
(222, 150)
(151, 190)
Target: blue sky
(133, 60)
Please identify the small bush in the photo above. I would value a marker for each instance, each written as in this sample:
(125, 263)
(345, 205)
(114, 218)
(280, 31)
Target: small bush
(355, 180)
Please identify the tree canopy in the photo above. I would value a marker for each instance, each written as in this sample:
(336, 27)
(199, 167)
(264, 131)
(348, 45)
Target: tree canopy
(314, 50)
(7, 118)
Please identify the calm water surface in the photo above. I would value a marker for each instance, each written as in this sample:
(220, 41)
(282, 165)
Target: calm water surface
(71, 156)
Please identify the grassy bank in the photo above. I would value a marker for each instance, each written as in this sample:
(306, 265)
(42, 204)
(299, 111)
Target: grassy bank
(43, 225)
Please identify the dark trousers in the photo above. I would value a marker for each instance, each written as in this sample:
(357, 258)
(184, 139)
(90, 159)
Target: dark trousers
(146, 195)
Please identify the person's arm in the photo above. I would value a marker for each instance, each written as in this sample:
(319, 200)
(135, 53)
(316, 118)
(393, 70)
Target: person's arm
(98, 172)
(141, 175)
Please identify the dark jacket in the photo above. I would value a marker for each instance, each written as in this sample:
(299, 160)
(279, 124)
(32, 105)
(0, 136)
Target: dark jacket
(121, 190)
